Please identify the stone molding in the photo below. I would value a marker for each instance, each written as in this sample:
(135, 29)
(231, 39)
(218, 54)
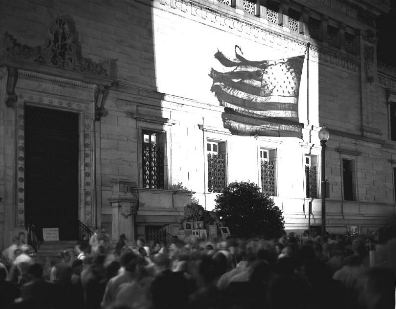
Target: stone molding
(53, 79)
(61, 49)
(227, 22)
(347, 151)
(86, 190)
(216, 130)
(150, 118)
(387, 82)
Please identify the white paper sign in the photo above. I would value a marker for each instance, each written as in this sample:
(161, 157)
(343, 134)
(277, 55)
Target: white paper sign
(51, 234)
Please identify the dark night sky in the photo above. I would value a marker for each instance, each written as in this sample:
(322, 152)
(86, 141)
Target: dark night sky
(386, 26)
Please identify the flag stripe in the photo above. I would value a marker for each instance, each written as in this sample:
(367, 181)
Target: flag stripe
(238, 95)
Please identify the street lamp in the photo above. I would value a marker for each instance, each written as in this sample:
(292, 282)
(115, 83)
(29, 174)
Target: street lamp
(324, 136)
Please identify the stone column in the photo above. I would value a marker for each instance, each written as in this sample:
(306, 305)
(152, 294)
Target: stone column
(124, 211)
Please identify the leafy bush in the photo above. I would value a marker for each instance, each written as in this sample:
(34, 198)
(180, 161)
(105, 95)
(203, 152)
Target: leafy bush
(248, 212)
(195, 212)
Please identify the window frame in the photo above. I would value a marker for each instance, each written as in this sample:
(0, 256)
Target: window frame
(353, 179)
(313, 162)
(212, 141)
(268, 151)
(165, 173)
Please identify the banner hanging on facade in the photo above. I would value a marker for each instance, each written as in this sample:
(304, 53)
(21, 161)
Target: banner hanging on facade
(260, 97)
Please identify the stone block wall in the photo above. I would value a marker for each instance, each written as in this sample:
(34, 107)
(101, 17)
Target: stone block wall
(164, 52)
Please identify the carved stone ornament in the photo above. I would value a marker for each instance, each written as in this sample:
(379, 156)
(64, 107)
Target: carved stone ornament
(101, 93)
(12, 78)
(61, 49)
(128, 209)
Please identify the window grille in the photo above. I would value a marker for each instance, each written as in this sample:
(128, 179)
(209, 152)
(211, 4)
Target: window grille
(273, 16)
(332, 35)
(350, 43)
(155, 233)
(153, 160)
(267, 170)
(315, 29)
(294, 24)
(216, 166)
(249, 6)
(268, 177)
(311, 172)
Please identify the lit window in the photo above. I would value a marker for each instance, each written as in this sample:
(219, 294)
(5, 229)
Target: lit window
(216, 155)
(153, 159)
(311, 171)
(267, 171)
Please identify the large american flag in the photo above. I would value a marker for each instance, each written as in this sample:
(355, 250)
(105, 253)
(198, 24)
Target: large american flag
(260, 97)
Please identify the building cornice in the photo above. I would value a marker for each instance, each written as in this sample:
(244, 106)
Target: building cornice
(256, 29)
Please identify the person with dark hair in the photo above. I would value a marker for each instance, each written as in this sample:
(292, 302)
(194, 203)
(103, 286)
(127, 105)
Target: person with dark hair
(8, 290)
(122, 242)
(37, 293)
(207, 295)
(93, 281)
(129, 262)
(376, 289)
(169, 290)
(66, 294)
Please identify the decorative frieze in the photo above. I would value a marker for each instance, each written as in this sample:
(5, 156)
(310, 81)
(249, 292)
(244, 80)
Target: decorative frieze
(257, 32)
(61, 50)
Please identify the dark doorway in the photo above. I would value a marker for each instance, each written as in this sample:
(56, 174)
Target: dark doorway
(51, 170)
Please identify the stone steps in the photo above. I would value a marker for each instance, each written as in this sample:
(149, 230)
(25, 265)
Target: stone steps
(52, 249)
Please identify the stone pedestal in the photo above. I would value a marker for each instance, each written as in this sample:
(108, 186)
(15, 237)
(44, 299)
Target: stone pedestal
(124, 210)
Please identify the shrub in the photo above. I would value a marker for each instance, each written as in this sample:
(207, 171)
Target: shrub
(248, 212)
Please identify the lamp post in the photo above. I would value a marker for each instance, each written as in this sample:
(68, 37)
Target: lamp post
(324, 137)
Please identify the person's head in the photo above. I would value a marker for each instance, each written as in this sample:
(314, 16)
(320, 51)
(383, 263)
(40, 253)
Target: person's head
(161, 262)
(112, 269)
(140, 242)
(207, 271)
(3, 272)
(129, 260)
(123, 237)
(21, 237)
(169, 290)
(142, 252)
(35, 271)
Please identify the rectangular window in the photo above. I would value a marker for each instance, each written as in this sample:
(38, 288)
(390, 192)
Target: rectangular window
(216, 155)
(333, 35)
(315, 30)
(153, 159)
(347, 178)
(394, 182)
(393, 120)
(267, 171)
(311, 172)
(155, 233)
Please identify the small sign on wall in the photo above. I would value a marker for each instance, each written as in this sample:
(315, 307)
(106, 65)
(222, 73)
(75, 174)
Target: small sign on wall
(51, 234)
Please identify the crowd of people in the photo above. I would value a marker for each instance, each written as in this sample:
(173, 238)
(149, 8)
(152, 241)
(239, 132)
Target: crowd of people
(286, 273)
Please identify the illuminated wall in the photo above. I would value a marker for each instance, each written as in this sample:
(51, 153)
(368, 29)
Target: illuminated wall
(164, 52)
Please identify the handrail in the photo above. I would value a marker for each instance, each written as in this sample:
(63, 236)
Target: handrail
(84, 232)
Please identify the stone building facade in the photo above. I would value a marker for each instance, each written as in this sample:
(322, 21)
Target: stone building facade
(112, 112)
